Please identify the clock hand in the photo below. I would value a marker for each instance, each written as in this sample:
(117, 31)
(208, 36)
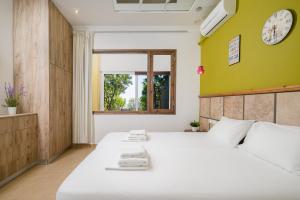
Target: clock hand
(274, 33)
(270, 35)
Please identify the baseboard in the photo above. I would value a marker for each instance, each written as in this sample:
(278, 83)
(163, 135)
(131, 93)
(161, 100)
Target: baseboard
(83, 145)
(15, 175)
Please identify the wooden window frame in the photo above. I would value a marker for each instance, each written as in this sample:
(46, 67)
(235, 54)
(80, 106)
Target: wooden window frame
(150, 54)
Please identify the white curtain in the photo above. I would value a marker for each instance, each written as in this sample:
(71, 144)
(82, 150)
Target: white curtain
(83, 126)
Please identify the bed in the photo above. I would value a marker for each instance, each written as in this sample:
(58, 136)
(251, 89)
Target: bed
(183, 167)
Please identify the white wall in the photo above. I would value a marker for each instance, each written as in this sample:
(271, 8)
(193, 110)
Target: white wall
(133, 62)
(123, 62)
(6, 48)
(187, 84)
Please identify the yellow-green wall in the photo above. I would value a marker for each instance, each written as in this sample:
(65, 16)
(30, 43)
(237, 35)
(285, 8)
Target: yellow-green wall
(260, 66)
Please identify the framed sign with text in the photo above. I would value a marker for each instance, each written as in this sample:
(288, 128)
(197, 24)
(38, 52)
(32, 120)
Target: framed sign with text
(234, 50)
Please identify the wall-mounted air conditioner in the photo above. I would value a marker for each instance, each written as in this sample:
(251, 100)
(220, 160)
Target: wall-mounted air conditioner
(218, 16)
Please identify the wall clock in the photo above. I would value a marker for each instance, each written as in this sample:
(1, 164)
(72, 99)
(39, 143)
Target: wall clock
(277, 27)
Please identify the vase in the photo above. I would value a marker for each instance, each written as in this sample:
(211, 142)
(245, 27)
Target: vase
(194, 129)
(12, 110)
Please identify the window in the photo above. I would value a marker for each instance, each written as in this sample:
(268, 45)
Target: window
(134, 81)
(125, 92)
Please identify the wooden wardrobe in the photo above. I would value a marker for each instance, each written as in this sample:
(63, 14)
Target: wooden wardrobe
(43, 56)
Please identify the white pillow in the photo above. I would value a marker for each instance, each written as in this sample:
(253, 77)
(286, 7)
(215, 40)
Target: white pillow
(275, 143)
(230, 131)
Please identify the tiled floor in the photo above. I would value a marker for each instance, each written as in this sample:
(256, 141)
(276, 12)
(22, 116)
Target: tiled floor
(42, 181)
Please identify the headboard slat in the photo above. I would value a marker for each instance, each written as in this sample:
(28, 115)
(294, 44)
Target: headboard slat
(260, 107)
(216, 107)
(279, 105)
(288, 108)
(234, 107)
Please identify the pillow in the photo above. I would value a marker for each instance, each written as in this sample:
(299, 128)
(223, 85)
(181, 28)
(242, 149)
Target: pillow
(230, 131)
(275, 143)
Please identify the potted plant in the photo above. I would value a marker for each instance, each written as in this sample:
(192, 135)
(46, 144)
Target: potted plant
(12, 99)
(195, 126)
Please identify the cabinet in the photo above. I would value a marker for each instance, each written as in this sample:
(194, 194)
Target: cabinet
(43, 55)
(18, 144)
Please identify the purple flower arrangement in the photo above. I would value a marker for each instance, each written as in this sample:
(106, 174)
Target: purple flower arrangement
(12, 97)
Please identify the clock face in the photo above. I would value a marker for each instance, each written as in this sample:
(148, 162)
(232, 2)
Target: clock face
(277, 27)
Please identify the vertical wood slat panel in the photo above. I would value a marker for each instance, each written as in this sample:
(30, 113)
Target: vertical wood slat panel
(60, 83)
(31, 62)
(42, 36)
(68, 108)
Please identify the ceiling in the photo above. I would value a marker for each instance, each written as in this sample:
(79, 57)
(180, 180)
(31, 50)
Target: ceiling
(101, 13)
(152, 5)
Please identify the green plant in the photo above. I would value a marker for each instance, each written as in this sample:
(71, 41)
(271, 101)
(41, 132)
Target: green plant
(12, 97)
(195, 124)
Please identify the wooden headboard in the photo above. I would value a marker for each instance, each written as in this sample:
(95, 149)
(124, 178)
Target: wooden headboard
(278, 105)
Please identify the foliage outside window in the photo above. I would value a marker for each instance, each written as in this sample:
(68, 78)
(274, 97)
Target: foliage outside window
(161, 87)
(154, 89)
(114, 85)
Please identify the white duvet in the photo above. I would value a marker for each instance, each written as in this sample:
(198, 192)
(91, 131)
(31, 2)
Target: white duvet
(183, 167)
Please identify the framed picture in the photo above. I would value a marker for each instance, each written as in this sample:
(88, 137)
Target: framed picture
(234, 50)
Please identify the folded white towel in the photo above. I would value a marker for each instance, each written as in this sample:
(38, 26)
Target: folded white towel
(133, 162)
(134, 140)
(133, 152)
(137, 137)
(137, 132)
(130, 163)
(116, 167)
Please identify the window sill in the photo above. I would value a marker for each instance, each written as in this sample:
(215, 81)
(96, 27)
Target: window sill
(133, 113)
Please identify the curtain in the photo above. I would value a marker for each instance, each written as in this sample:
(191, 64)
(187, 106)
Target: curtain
(83, 126)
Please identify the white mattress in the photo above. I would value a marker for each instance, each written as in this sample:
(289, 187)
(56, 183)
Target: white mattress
(184, 167)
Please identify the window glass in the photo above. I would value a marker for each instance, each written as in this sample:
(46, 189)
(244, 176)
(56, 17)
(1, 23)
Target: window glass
(161, 81)
(134, 81)
(118, 91)
(124, 76)
(142, 92)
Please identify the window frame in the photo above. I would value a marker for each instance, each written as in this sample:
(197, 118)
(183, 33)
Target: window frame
(150, 74)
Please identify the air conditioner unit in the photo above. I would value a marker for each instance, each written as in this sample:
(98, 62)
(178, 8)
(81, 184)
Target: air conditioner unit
(218, 16)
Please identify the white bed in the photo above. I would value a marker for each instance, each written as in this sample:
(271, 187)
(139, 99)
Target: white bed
(183, 167)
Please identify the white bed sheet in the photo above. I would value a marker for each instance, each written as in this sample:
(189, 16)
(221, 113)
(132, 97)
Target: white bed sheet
(183, 167)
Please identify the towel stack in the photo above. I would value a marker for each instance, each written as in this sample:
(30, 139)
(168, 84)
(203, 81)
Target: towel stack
(137, 136)
(134, 158)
